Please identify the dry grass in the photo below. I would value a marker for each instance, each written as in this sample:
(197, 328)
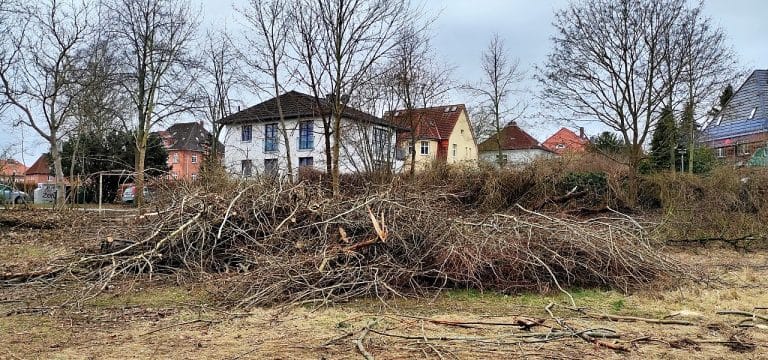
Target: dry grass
(184, 325)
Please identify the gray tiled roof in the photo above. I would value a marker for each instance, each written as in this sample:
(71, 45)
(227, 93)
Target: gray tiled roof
(752, 94)
(296, 105)
(189, 136)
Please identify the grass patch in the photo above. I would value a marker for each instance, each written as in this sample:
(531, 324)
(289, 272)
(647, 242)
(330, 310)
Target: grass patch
(150, 297)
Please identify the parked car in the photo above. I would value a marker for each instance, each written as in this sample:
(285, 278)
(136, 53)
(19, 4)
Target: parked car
(9, 195)
(129, 194)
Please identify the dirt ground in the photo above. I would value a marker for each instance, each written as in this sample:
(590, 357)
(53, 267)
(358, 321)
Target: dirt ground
(170, 317)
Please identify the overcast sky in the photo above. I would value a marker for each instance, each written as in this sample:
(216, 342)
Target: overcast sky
(463, 29)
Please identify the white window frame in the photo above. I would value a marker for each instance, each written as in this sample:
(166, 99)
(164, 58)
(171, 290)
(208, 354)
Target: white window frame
(455, 149)
(424, 147)
(175, 158)
(194, 158)
(720, 152)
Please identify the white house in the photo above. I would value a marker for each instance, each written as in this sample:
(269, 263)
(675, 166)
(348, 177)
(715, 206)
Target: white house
(255, 145)
(517, 147)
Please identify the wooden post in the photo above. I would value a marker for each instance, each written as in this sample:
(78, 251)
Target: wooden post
(101, 184)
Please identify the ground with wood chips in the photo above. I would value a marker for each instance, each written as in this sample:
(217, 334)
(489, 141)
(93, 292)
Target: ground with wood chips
(720, 316)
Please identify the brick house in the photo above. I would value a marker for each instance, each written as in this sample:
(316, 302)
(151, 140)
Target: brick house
(740, 129)
(187, 145)
(566, 141)
(517, 147)
(443, 134)
(12, 171)
(39, 172)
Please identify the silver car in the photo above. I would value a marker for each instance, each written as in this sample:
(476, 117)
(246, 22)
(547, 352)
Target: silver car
(128, 194)
(9, 195)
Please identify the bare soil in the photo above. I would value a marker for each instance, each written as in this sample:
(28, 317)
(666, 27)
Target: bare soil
(173, 317)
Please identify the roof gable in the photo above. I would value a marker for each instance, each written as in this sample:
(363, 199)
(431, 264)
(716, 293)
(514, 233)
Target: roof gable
(41, 167)
(751, 96)
(191, 136)
(11, 167)
(511, 137)
(435, 122)
(567, 138)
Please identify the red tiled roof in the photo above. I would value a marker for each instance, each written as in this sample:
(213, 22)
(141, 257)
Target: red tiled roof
(512, 137)
(10, 167)
(430, 123)
(568, 140)
(41, 167)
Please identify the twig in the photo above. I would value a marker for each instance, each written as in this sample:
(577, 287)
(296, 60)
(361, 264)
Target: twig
(359, 341)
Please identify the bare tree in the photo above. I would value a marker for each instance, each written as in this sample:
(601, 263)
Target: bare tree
(99, 105)
(709, 64)
(269, 24)
(618, 62)
(39, 66)
(417, 80)
(155, 37)
(220, 71)
(348, 38)
(501, 76)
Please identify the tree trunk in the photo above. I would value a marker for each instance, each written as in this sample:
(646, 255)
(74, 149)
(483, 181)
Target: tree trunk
(61, 191)
(141, 153)
(335, 176)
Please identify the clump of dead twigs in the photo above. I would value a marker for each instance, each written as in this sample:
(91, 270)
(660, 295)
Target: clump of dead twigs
(294, 243)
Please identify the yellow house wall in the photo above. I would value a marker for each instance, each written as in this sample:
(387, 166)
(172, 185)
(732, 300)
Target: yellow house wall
(423, 161)
(466, 147)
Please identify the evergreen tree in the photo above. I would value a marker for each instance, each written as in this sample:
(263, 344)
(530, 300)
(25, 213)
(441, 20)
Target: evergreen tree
(687, 136)
(664, 141)
(607, 142)
(726, 95)
(111, 152)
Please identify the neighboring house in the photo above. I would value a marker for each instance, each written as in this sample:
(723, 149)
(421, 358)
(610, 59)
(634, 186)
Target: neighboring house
(740, 129)
(442, 133)
(188, 145)
(517, 147)
(254, 142)
(12, 171)
(566, 141)
(39, 172)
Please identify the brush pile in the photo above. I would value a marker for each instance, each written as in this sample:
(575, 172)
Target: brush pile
(295, 243)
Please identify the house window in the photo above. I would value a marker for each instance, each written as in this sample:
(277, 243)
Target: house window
(742, 149)
(380, 143)
(175, 158)
(270, 137)
(306, 162)
(194, 159)
(455, 147)
(194, 177)
(425, 148)
(270, 167)
(306, 135)
(246, 167)
(501, 159)
(411, 150)
(720, 152)
(246, 133)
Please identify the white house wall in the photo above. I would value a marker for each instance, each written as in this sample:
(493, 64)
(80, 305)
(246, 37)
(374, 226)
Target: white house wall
(516, 157)
(351, 157)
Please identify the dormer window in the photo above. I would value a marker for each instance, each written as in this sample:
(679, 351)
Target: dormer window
(560, 146)
(752, 114)
(719, 120)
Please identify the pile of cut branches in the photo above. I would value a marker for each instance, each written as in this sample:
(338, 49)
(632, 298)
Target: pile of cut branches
(294, 243)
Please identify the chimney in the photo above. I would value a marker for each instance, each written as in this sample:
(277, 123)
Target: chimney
(581, 133)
